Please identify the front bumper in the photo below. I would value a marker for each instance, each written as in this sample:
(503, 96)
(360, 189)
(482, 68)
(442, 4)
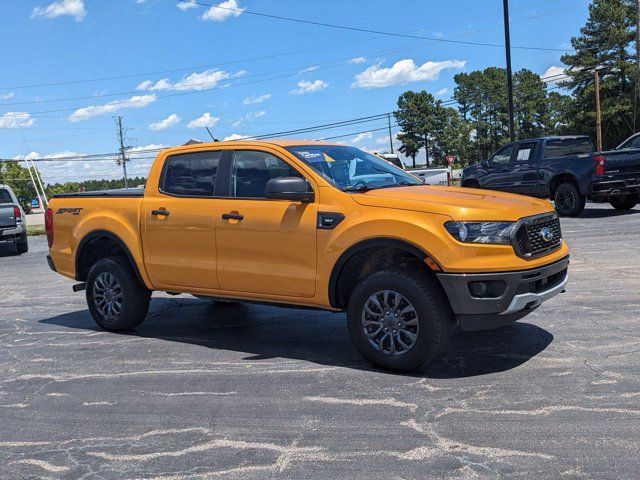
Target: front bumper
(489, 300)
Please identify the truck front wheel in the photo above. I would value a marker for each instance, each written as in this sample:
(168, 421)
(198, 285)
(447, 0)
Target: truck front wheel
(624, 203)
(116, 299)
(399, 320)
(568, 200)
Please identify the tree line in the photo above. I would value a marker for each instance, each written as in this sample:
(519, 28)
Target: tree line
(479, 123)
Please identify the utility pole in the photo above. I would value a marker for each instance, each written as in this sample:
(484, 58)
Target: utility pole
(426, 148)
(598, 111)
(507, 45)
(123, 159)
(389, 121)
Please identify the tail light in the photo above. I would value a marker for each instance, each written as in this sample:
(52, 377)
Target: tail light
(601, 164)
(48, 226)
(448, 178)
(17, 214)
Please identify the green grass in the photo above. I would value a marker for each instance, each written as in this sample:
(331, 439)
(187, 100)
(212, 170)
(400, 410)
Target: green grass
(35, 230)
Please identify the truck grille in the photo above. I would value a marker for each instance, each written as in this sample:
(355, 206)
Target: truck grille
(537, 236)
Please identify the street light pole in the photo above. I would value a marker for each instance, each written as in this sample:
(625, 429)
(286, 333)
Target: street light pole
(507, 45)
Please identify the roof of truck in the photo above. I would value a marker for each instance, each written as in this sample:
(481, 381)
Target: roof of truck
(554, 137)
(249, 143)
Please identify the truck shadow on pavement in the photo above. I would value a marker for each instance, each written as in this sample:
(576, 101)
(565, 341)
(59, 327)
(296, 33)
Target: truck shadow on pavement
(313, 336)
(606, 213)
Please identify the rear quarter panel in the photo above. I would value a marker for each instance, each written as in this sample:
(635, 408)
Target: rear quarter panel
(76, 217)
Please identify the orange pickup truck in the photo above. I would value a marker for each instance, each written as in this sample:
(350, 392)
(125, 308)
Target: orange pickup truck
(312, 224)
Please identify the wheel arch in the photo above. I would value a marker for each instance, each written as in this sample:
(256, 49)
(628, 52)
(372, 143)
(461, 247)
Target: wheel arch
(560, 178)
(336, 294)
(85, 253)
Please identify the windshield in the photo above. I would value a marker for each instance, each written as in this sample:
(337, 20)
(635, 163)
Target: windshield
(352, 170)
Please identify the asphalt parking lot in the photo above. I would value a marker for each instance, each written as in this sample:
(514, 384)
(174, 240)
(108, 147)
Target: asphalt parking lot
(233, 391)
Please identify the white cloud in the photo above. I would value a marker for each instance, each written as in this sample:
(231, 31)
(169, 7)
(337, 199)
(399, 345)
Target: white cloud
(196, 81)
(206, 120)
(186, 5)
(306, 86)
(557, 74)
(254, 99)
(137, 101)
(403, 71)
(443, 91)
(362, 136)
(223, 11)
(249, 117)
(170, 121)
(8, 96)
(77, 170)
(358, 60)
(72, 8)
(16, 120)
(234, 136)
(312, 68)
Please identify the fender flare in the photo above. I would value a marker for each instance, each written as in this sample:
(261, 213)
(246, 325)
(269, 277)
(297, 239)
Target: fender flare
(353, 250)
(111, 236)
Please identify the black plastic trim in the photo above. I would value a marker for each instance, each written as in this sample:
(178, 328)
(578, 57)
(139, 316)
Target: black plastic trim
(52, 266)
(105, 233)
(359, 247)
(120, 192)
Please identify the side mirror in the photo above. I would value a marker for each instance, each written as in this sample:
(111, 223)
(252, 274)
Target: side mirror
(485, 163)
(289, 188)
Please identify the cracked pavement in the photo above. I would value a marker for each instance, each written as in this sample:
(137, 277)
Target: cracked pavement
(204, 390)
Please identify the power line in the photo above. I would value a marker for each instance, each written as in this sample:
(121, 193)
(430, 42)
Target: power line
(364, 30)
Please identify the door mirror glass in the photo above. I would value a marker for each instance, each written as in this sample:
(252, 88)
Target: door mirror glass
(485, 163)
(289, 188)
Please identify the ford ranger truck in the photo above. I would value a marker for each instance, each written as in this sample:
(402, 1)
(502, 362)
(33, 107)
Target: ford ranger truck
(312, 224)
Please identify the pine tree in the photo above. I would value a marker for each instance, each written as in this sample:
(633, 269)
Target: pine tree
(608, 41)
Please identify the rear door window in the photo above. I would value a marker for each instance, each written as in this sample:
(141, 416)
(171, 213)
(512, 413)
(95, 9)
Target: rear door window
(563, 147)
(191, 174)
(526, 152)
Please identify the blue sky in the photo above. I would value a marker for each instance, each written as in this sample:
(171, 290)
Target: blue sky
(237, 73)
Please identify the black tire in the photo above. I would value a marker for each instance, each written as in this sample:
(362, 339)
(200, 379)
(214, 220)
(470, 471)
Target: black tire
(626, 202)
(434, 318)
(134, 298)
(22, 245)
(568, 200)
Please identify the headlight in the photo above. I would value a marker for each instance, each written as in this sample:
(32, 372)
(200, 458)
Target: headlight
(481, 232)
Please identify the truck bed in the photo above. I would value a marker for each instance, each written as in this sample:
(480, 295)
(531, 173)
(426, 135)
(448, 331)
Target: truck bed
(119, 192)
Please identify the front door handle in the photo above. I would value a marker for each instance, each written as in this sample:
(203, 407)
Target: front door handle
(160, 212)
(232, 216)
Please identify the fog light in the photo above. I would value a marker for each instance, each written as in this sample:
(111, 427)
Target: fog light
(488, 289)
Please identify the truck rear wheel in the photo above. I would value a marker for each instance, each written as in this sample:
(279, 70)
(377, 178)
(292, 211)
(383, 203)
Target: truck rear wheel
(568, 200)
(22, 245)
(399, 320)
(116, 299)
(626, 202)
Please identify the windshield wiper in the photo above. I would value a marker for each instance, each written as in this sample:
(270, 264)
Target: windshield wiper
(359, 188)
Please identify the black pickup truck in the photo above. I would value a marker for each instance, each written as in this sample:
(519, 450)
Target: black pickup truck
(564, 169)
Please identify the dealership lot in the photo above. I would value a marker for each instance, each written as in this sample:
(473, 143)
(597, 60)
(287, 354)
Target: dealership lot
(233, 391)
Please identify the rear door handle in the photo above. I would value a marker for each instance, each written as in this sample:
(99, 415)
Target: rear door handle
(160, 212)
(232, 216)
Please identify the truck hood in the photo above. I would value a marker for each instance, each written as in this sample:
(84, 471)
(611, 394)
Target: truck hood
(463, 204)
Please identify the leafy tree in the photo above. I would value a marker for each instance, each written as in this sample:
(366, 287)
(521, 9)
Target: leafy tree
(17, 177)
(606, 40)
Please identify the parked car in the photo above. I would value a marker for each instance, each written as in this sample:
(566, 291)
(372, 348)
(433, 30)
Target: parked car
(430, 176)
(564, 169)
(312, 225)
(13, 225)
